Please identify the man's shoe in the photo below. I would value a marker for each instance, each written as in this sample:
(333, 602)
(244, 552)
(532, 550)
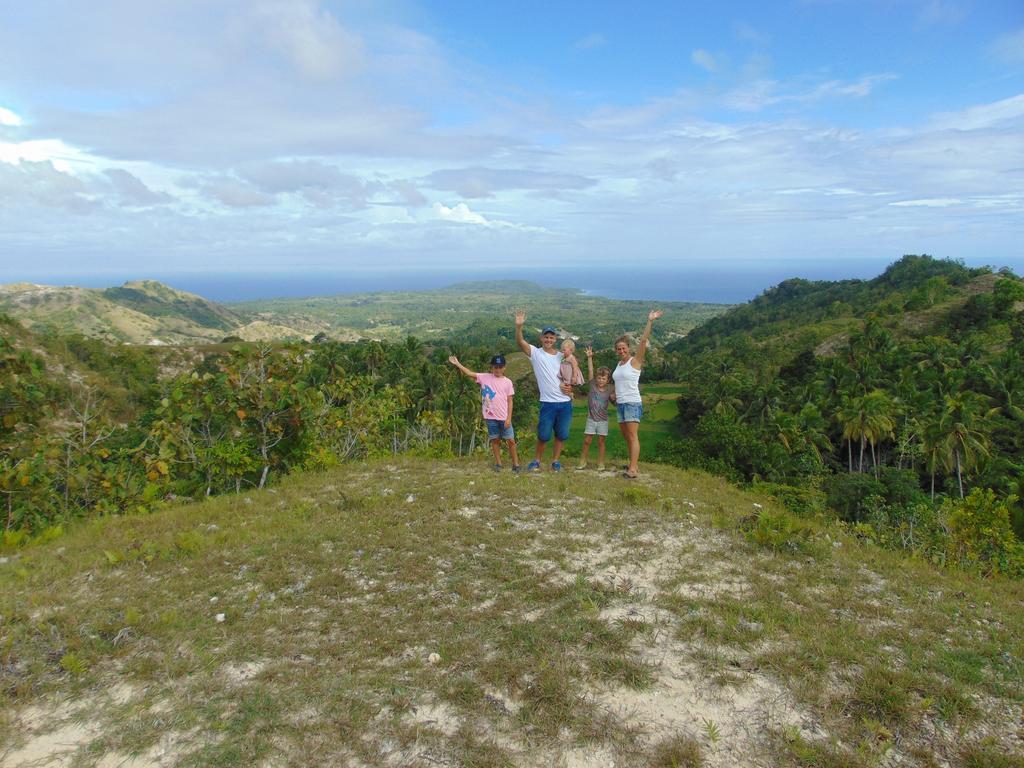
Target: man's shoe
(533, 466)
(516, 469)
(556, 466)
(583, 465)
(600, 467)
(497, 467)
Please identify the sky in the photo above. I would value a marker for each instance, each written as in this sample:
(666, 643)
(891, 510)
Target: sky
(308, 136)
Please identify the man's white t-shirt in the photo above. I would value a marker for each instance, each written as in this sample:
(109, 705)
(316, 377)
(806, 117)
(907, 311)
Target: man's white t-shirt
(545, 368)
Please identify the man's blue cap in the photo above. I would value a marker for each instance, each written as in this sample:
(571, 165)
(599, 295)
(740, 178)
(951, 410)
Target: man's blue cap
(548, 329)
(498, 360)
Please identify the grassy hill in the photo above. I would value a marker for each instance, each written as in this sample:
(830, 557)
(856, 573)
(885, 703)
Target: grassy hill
(143, 312)
(421, 612)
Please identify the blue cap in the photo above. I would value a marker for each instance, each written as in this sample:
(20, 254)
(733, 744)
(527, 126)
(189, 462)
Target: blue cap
(498, 360)
(548, 329)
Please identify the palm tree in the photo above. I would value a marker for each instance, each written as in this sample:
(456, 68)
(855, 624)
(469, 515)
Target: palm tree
(879, 420)
(962, 431)
(851, 419)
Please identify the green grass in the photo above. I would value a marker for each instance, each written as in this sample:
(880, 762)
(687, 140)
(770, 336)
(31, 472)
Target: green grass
(421, 612)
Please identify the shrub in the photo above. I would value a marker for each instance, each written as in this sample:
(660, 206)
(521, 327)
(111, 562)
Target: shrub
(781, 532)
(805, 502)
(980, 536)
(852, 496)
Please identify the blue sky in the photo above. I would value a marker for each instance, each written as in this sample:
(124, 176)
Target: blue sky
(292, 135)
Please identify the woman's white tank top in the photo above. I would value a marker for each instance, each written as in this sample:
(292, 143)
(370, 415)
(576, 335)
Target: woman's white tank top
(627, 383)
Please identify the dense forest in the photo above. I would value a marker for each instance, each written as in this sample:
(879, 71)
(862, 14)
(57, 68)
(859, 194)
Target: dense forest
(879, 401)
(892, 404)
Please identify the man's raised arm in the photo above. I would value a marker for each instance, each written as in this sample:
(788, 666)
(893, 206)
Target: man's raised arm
(523, 345)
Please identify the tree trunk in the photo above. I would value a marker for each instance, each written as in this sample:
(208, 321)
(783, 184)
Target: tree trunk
(860, 465)
(263, 477)
(959, 476)
(849, 453)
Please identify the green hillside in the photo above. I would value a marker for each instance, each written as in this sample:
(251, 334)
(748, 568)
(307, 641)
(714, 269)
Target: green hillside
(144, 312)
(423, 612)
(477, 312)
(158, 300)
(880, 400)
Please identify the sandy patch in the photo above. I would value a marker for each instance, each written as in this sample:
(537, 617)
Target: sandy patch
(51, 748)
(239, 674)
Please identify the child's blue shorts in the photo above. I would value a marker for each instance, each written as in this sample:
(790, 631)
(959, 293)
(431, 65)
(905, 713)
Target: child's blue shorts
(496, 430)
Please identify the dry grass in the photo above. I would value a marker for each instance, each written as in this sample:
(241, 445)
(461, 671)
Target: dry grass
(415, 613)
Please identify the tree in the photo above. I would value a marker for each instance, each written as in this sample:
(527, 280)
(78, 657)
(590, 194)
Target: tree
(961, 432)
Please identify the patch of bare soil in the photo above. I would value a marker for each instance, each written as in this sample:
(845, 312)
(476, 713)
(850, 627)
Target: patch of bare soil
(731, 722)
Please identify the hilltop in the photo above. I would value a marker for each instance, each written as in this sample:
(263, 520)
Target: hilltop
(417, 612)
(141, 312)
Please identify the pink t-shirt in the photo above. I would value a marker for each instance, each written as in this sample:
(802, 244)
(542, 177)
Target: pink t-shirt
(495, 393)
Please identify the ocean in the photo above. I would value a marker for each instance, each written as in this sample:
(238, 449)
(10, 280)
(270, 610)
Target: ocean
(662, 285)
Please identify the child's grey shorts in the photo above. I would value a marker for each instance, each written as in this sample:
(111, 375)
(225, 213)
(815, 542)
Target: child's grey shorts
(596, 427)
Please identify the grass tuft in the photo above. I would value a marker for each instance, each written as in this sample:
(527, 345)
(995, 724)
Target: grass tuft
(677, 752)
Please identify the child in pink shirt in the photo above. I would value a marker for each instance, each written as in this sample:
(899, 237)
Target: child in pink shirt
(497, 392)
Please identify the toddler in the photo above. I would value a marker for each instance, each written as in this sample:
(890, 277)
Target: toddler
(569, 370)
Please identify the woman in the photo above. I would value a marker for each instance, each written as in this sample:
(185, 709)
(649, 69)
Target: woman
(627, 391)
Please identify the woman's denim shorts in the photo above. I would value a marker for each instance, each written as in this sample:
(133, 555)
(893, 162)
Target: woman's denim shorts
(630, 411)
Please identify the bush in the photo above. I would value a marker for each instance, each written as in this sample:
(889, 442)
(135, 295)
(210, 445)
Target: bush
(805, 502)
(980, 536)
(782, 532)
(853, 496)
(916, 528)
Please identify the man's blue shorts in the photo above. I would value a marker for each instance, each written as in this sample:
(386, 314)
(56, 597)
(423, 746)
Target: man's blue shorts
(554, 416)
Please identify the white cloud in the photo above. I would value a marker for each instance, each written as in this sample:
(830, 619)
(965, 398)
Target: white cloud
(9, 118)
(133, 191)
(236, 194)
(704, 60)
(928, 202)
(485, 182)
(310, 37)
(763, 93)
(1009, 47)
(946, 12)
(40, 183)
(459, 213)
(982, 115)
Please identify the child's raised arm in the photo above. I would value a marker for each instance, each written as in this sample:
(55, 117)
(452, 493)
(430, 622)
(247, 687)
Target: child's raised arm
(590, 364)
(455, 361)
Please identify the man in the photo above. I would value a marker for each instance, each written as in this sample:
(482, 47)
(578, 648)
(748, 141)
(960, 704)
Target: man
(555, 401)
